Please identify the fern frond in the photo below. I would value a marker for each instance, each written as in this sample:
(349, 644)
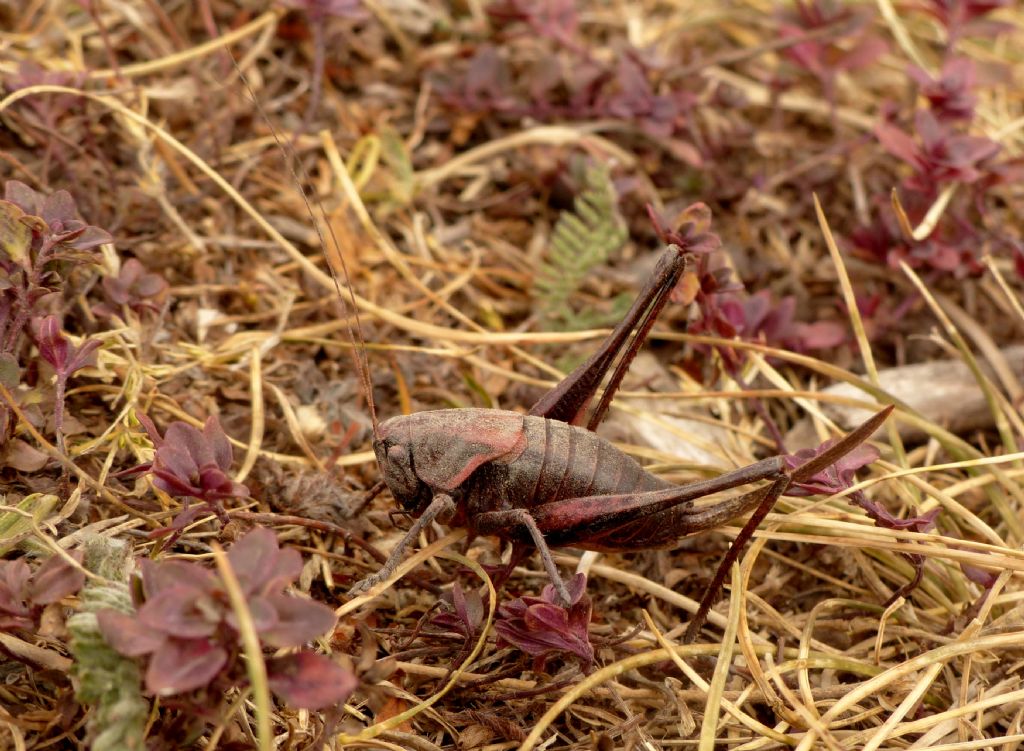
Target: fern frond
(581, 240)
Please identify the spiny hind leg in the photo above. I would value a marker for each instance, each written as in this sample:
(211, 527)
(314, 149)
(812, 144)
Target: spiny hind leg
(765, 501)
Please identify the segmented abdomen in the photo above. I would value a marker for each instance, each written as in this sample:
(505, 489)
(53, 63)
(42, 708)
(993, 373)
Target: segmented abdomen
(560, 461)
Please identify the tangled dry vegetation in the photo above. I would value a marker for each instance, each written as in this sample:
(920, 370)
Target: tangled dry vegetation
(176, 378)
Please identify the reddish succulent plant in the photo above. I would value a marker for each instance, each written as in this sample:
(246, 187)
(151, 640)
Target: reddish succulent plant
(193, 463)
(187, 631)
(951, 94)
(134, 287)
(543, 628)
(463, 613)
(24, 593)
(939, 155)
(966, 17)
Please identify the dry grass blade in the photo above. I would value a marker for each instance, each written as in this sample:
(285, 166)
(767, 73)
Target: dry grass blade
(709, 728)
(254, 663)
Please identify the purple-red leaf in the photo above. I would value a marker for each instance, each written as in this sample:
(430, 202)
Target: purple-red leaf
(882, 518)
(162, 575)
(56, 579)
(217, 444)
(57, 349)
(134, 286)
(951, 95)
(897, 143)
(191, 463)
(466, 612)
(825, 56)
(298, 621)
(177, 611)
(833, 479)
(840, 476)
(692, 231)
(14, 577)
(254, 556)
(84, 356)
(980, 576)
(19, 455)
(183, 665)
(306, 680)
(126, 635)
(263, 614)
(260, 565)
(24, 197)
(53, 346)
(940, 156)
(821, 334)
(89, 237)
(542, 627)
(14, 583)
(58, 208)
(187, 627)
(963, 17)
(554, 19)
(9, 622)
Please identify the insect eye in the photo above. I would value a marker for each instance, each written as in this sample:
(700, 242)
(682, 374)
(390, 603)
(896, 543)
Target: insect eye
(400, 476)
(398, 454)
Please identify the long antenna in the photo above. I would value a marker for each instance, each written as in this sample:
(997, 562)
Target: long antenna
(355, 334)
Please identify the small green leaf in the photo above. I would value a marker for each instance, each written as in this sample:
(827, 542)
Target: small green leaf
(15, 234)
(14, 527)
(582, 239)
(477, 388)
(396, 157)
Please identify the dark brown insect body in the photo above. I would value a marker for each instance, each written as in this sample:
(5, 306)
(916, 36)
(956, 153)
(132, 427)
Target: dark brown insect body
(490, 461)
(494, 460)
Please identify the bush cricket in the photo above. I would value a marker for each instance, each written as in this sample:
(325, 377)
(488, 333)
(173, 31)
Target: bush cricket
(546, 479)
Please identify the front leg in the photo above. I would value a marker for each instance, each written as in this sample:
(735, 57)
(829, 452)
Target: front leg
(500, 523)
(442, 508)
